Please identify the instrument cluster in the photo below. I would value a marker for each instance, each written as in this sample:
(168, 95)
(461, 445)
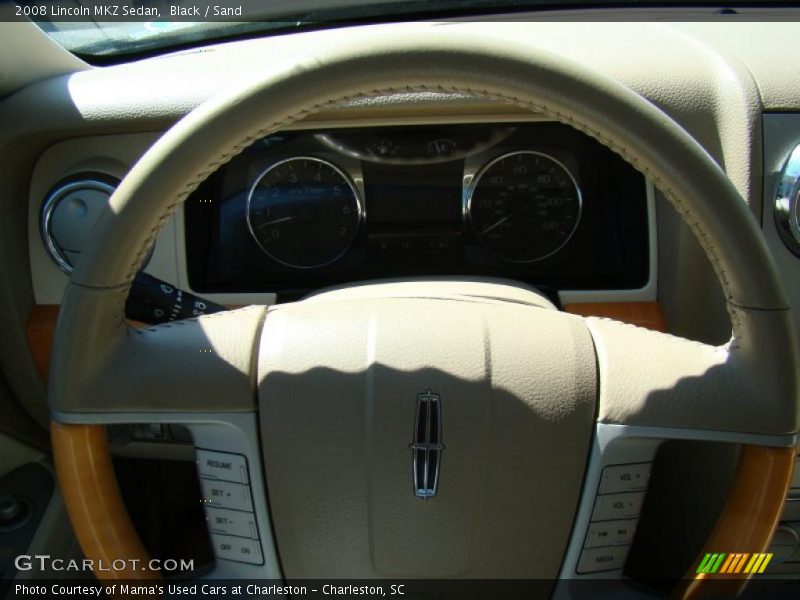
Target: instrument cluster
(538, 202)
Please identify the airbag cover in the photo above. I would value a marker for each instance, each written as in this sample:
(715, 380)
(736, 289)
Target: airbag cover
(338, 393)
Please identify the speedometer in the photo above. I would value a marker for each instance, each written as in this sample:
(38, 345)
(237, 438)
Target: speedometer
(304, 212)
(524, 206)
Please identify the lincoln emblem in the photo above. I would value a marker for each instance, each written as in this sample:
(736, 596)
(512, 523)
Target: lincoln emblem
(427, 446)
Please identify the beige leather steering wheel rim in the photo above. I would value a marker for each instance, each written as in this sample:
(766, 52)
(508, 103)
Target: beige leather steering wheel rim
(760, 393)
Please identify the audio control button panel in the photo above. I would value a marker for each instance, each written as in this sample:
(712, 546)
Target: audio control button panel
(618, 503)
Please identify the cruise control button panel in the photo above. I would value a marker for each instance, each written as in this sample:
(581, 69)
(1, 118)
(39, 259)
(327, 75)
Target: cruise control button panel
(228, 504)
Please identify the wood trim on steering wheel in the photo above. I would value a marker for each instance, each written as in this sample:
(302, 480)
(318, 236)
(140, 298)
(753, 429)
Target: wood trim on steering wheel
(94, 503)
(748, 520)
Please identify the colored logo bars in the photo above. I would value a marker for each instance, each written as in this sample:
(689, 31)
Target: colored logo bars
(731, 564)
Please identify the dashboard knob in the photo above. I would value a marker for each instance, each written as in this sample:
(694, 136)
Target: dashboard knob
(10, 508)
(68, 214)
(787, 202)
(13, 513)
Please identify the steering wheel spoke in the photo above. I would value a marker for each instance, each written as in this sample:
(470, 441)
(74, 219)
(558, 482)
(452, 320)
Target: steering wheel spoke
(653, 379)
(192, 365)
(654, 388)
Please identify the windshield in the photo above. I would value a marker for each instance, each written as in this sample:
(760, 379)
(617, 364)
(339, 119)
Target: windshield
(105, 28)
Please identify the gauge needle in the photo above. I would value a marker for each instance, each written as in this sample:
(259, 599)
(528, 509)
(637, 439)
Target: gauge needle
(276, 221)
(500, 222)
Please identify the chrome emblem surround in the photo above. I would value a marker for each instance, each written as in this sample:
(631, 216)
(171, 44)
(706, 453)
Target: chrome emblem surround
(427, 446)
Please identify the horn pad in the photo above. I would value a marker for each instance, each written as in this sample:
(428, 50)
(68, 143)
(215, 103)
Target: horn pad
(342, 385)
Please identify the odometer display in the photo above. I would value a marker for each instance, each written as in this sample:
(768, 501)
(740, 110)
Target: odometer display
(304, 212)
(524, 206)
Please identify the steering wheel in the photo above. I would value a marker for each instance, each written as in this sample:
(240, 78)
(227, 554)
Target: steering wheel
(522, 406)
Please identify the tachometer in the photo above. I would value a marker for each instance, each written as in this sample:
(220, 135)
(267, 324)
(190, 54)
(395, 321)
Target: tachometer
(304, 212)
(524, 206)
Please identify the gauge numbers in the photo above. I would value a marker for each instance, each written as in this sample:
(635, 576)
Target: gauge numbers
(304, 212)
(523, 206)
